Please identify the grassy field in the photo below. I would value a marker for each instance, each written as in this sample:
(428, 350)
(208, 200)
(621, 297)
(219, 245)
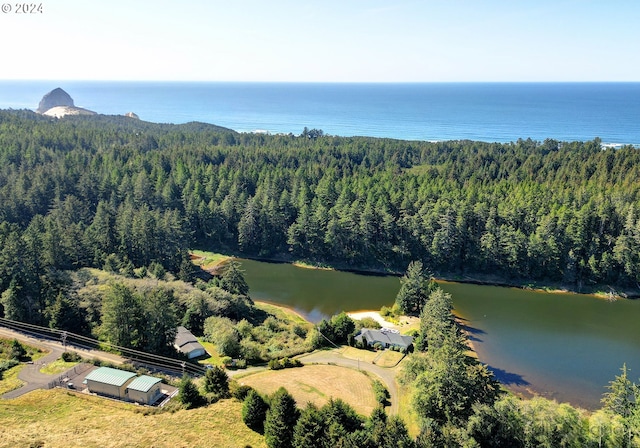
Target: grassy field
(10, 379)
(386, 358)
(283, 313)
(57, 418)
(316, 384)
(214, 359)
(209, 260)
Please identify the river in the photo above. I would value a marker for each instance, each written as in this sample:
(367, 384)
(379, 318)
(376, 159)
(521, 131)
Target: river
(563, 346)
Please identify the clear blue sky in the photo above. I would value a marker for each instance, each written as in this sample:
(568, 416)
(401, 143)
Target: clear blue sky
(324, 40)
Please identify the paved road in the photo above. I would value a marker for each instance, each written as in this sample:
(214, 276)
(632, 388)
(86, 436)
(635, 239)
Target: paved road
(386, 375)
(31, 375)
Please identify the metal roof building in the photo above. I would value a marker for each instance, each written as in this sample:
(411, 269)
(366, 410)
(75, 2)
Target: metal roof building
(144, 389)
(108, 381)
(187, 343)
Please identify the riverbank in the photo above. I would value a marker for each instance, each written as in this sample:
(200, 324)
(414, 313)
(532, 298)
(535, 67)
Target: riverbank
(606, 292)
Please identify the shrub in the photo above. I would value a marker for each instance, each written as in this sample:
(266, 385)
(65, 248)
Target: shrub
(71, 357)
(284, 363)
(300, 331)
(381, 393)
(275, 364)
(239, 391)
(6, 365)
(18, 352)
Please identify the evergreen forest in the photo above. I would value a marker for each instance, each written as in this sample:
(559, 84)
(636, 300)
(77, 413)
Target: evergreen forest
(120, 193)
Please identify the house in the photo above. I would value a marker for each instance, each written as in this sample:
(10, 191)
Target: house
(108, 381)
(144, 389)
(386, 337)
(187, 343)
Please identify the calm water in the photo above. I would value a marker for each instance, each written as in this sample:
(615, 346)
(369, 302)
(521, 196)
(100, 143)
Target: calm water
(564, 346)
(499, 112)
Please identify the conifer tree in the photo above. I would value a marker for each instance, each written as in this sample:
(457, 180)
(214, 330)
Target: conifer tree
(254, 411)
(281, 419)
(188, 393)
(233, 279)
(216, 382)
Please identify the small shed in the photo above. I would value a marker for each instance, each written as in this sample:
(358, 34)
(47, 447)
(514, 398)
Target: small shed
(187, 343)
(386, 337)
(144, 389)
(108, 381)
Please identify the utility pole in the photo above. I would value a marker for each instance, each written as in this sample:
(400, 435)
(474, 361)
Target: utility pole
(63, 336)
(183, 364)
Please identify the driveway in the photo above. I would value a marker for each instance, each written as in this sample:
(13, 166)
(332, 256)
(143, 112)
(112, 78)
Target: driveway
(31, 374)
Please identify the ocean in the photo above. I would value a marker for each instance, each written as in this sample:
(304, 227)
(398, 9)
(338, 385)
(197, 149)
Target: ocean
(491, 112)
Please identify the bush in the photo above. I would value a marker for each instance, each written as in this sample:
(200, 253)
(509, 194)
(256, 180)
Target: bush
(275, 364)
(239, 391)
(71, 357)
(6, 365)
(381, 393)
(18, 352)
(284, 363)
(188, 394)
(378, 346)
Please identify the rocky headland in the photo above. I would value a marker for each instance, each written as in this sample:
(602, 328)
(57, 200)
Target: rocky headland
(59, 103)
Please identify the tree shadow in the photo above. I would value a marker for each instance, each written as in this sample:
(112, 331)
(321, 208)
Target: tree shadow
(472, 332)
(508, 378)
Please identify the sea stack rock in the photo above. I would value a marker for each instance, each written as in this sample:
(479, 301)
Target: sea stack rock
(57, 97)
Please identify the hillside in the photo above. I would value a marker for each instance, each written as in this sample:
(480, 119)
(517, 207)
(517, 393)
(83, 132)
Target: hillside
(58, 418)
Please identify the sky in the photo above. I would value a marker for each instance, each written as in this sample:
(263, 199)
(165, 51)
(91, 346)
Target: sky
(323, 40)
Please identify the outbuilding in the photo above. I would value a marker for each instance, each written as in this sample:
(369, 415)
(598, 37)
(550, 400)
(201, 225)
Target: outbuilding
(144, 389)
(187, 343)
(108, 381)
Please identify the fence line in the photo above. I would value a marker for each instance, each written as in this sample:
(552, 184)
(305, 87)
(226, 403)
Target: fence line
(69, 375)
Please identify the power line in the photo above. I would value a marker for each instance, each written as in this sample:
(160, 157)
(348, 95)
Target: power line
(140, 357)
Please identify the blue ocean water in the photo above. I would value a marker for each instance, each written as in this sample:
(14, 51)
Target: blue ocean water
(494, 112)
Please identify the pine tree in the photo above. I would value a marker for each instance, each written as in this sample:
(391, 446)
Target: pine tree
(216, 382)
(415, 287)
(309, 431)
(281, 419)
(254, 411)
(233, 279)
(122, 317)
(188, 393)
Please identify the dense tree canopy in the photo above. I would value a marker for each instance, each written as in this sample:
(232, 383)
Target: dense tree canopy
(77, 191)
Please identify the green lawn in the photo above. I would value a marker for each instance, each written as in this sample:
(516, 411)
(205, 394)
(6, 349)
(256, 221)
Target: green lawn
(58, 366)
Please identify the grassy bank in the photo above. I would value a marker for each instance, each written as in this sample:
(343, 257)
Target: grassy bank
(60, 418)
